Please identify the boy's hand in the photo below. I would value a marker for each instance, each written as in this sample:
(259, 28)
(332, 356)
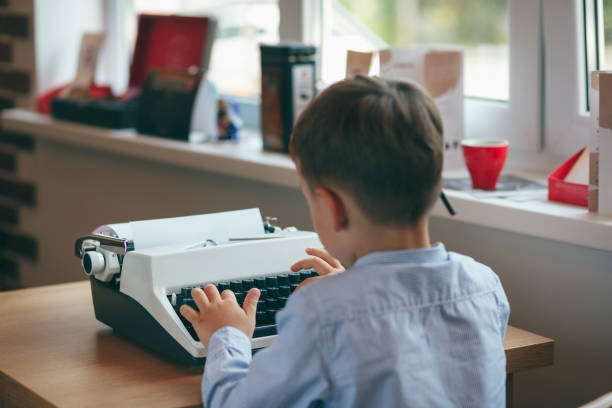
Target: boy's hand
(220, 310)
(321, 261)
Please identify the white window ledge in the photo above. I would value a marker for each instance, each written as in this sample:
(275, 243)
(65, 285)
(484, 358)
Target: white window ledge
(245, 159)
(540, 218)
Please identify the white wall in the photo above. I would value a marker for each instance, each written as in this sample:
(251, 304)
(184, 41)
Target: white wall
(58, 26)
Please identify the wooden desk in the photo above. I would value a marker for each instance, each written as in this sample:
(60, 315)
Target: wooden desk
(53, 352)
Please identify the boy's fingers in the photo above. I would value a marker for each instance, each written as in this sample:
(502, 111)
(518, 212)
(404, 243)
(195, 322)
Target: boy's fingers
(297, 266)
(199, 297)
(323, 254)
(212, 293)
(306, 263)
(228, 294)
(188, 313)
(319, 265)
(250, 302)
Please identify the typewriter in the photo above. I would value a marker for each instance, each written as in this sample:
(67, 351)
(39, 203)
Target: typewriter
(138, 292)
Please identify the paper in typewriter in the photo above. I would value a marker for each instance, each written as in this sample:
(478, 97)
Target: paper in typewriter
(219, 227)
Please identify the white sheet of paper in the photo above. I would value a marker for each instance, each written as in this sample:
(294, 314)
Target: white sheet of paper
(219, 227)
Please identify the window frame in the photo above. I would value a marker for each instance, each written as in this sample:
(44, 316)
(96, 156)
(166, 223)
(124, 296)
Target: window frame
(566, 118)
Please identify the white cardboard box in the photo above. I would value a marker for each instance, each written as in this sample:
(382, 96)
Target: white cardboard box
(600, 175)
(440, 71)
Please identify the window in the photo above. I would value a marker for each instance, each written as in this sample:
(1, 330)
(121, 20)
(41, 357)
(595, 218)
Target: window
(565, 26)
(515, 51)
(606, 58)
(598, 34)
(479, 27)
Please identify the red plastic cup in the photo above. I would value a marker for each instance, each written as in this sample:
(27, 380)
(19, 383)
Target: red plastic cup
(485, 160)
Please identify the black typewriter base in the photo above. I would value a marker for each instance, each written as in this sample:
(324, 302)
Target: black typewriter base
(129, 319)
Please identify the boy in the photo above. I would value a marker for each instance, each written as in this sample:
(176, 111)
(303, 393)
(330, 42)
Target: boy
(408, 323)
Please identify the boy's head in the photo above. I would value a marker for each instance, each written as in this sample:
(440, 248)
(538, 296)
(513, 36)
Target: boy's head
(379, 141)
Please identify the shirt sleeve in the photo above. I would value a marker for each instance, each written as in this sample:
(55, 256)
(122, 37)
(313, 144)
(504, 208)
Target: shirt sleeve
(290, 372)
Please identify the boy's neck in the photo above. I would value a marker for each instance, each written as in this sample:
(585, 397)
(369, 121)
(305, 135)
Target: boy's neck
(377, 238)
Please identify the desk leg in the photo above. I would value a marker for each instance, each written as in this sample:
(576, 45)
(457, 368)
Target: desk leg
(509, 379)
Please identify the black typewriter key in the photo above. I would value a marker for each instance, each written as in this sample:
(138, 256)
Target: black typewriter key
(260, 283)
(223, 286)
(262, 305)
(186, 292)
(304, 275)
(247, 284)
(294, 277)
(284, 290)
(239, 297)
(190, 302)
(313, 273)
(261, 317)
(273, 292)
(283, 279)
(271, 304)
(282, 301)
(271, 281)
(236, 286)
(263, 293)
(294, 286)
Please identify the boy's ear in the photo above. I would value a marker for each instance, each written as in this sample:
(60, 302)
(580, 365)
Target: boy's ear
(335, 206)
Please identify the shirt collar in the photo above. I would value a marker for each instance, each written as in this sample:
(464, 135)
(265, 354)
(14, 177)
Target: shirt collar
(435, 253)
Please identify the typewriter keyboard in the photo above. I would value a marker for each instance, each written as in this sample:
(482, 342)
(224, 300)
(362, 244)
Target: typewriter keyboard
(275, 289)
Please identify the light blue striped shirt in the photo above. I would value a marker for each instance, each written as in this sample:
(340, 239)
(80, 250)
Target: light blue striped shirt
(413, 328)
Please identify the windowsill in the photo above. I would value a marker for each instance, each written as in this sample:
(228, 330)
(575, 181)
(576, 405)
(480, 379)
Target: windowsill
(245, 159)
(539, 218)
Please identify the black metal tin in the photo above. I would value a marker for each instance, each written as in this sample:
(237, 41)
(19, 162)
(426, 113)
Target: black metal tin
(287, 86)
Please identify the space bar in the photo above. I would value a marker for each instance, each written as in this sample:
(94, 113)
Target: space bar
(266, 330)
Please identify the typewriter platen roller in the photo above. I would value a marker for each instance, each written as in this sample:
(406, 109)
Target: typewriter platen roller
(138, 292)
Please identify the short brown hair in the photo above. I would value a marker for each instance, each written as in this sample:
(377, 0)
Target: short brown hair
(379, 140)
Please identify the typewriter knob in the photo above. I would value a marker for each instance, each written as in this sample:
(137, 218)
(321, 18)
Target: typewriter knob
(93, 262)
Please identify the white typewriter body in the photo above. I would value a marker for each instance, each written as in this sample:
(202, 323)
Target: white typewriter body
(137, 269)
(150, 275)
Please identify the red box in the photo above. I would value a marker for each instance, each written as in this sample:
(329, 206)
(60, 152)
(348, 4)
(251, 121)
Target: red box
(170, 42)
(166, 42)
(561, 190)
